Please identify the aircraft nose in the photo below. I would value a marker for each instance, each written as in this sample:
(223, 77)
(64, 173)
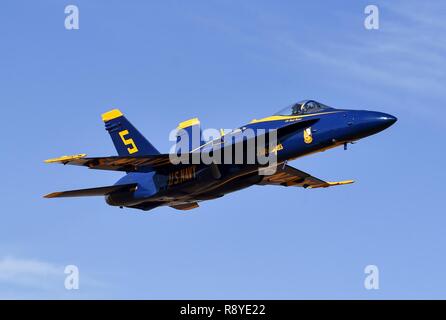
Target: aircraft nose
(377, 121)
(366, 123)
(386, 119)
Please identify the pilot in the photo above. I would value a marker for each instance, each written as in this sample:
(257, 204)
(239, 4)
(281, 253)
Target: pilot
(309, 107)
(296, 109)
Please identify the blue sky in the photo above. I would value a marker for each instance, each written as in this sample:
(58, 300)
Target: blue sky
(226, 62)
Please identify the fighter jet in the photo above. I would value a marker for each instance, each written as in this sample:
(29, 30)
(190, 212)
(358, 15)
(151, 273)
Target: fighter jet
(181, 179)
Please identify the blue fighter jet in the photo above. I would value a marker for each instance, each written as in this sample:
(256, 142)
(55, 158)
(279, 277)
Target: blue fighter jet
(153, 179)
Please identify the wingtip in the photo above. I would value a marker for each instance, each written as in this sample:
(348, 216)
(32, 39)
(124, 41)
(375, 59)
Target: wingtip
(339, 183)
(331, 184)
(52, 195)
(66, 158)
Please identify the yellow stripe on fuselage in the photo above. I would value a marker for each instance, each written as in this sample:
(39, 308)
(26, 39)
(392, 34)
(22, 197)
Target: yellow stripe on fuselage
(271, 118)
(282, 118)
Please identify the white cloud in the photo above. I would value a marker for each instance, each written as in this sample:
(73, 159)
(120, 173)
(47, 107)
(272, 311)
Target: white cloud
(402, 62)
(36, 279)
(30, 273)
(407, 53)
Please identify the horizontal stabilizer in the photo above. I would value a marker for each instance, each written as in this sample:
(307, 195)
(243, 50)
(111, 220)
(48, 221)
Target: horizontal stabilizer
(101, 191)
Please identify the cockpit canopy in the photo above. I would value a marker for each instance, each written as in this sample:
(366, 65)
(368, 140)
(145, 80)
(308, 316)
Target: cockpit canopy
(303, 107)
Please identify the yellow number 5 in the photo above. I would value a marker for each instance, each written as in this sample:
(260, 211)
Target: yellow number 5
(128, 142)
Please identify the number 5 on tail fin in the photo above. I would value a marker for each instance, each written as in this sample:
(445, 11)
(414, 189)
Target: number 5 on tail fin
(126, 138)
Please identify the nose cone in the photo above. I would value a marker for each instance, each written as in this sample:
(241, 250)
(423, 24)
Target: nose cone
(371, 122)
(379, 120)
(388, 119)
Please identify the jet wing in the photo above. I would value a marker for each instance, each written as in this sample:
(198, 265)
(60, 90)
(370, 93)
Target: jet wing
(288, 176)
(115, 163)
(146, 163)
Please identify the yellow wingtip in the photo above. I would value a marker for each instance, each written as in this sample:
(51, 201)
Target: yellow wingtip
(331, 184)
(112, 114)
(339, 183)
(66, 158)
